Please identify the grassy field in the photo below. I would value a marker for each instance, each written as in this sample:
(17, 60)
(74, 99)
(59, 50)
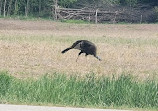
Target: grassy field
(31, 49)
(89, 91)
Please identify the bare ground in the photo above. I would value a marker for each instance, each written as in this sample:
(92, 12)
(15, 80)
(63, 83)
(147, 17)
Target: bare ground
(33, 48)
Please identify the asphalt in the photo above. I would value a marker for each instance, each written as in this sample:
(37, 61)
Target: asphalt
(8, 107)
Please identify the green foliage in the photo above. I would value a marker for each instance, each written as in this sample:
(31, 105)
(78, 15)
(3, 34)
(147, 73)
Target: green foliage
(80, 91)
(154, 2)
(156, 12)
(134, 2)
(128, 2)
(43, 8)
(66, 3)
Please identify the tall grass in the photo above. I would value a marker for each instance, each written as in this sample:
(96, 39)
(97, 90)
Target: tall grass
(80, 91)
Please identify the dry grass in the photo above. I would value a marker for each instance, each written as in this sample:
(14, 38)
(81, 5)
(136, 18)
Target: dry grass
(32, 48)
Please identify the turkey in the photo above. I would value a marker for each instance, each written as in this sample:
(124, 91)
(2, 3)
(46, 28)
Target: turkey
(85, 46)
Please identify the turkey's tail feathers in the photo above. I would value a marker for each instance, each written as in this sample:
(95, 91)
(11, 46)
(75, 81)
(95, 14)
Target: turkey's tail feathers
(65, 50)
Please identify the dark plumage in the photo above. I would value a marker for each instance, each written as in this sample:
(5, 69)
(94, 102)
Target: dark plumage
(85, 46)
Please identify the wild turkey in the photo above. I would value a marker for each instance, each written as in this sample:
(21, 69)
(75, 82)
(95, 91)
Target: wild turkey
(85, 46)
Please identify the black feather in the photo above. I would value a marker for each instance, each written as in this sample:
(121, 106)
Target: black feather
(65, 50)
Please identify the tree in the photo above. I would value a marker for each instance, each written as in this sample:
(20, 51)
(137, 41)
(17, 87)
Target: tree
(1, 7)
(27, 8)
(39, 7)
(4, 8)
(9, 8)
(16, 7)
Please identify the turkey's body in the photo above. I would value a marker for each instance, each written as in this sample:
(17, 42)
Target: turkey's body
(85, 46)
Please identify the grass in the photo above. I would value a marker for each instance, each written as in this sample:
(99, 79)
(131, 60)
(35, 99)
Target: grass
(36, 55)
(28, 18)
(69, 39)
(30, 49)
(76, 21)
(33, 48)
(87, 91)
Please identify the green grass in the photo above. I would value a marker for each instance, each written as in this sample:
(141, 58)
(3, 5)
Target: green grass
(28, 18)
(36, 18)
(88, 91)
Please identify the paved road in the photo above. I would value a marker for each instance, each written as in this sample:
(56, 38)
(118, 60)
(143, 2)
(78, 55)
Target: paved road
(5, 107)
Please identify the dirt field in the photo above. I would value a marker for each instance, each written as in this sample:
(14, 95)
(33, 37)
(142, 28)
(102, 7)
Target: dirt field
(33, 48)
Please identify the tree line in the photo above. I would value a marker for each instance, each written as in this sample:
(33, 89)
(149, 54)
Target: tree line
(44, 8)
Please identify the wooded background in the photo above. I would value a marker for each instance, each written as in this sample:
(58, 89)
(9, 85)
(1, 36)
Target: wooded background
(106, 10)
